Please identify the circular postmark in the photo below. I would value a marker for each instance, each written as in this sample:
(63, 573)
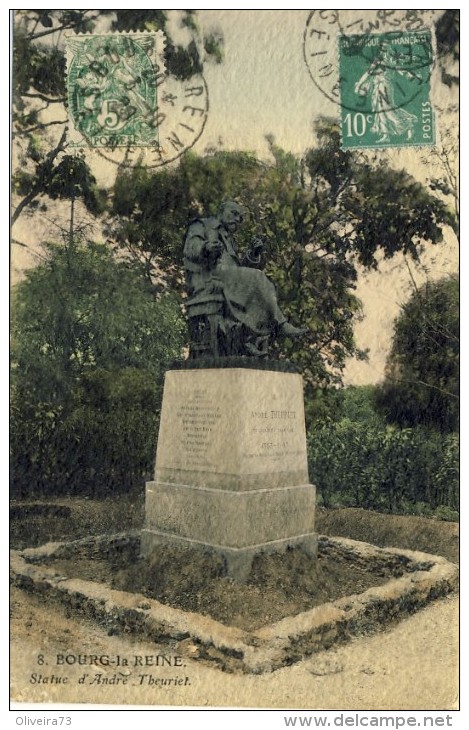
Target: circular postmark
(182, 115)
(332, 38)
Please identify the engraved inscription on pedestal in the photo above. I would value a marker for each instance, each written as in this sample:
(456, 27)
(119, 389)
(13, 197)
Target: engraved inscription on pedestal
(275, 433)
(198, 418)
(230, 428)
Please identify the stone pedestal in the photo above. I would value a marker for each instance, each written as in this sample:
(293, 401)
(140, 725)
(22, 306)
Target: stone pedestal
(231, 468)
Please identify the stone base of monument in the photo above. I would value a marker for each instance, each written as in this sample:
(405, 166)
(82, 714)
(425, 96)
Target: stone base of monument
(61, 572)
(231, 469)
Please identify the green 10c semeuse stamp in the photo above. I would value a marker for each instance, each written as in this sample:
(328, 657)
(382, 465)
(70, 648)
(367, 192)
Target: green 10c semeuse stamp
(385, 89)
(112, 84)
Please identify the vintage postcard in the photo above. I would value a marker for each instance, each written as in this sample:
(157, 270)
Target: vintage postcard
(235, 362)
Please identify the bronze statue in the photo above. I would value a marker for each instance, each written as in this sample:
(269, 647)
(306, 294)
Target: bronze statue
(232, 305)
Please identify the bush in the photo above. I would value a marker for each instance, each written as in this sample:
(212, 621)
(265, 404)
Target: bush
(422, 386)
(90, 346)
(104, 445)
(384, 468)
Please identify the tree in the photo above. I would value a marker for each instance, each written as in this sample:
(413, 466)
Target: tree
(442, 162)
(80, 311)
(319, 217)
(447, 46)
(422, 385)
(89, 348)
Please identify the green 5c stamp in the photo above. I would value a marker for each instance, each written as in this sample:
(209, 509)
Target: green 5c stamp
(385, 89)
(112, 85)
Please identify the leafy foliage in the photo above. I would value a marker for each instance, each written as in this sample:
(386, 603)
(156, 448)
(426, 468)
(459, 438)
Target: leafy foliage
(422, 385)
(90, 341)
(353, 403)
(39, 86)
(442, 162)
(391, 470)
(447, 44)
(182, 62)
(357, 460)
(81, 310)
(88, 448)
(150, 212)
(319, 218)
(89, 347)
(374, 208)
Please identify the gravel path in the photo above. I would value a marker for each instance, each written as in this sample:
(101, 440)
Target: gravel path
(410, 667)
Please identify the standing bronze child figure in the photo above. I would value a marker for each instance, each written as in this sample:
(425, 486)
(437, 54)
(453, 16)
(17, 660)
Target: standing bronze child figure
(232, 305)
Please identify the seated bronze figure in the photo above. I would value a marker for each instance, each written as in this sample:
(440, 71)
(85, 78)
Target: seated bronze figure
(232, 305)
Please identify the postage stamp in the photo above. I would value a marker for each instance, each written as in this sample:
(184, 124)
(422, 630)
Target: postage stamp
(112, 86)
(385, 89)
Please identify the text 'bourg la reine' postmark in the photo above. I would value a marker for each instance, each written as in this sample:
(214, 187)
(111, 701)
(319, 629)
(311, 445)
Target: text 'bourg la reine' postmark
(124, 106)
(381, 81)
